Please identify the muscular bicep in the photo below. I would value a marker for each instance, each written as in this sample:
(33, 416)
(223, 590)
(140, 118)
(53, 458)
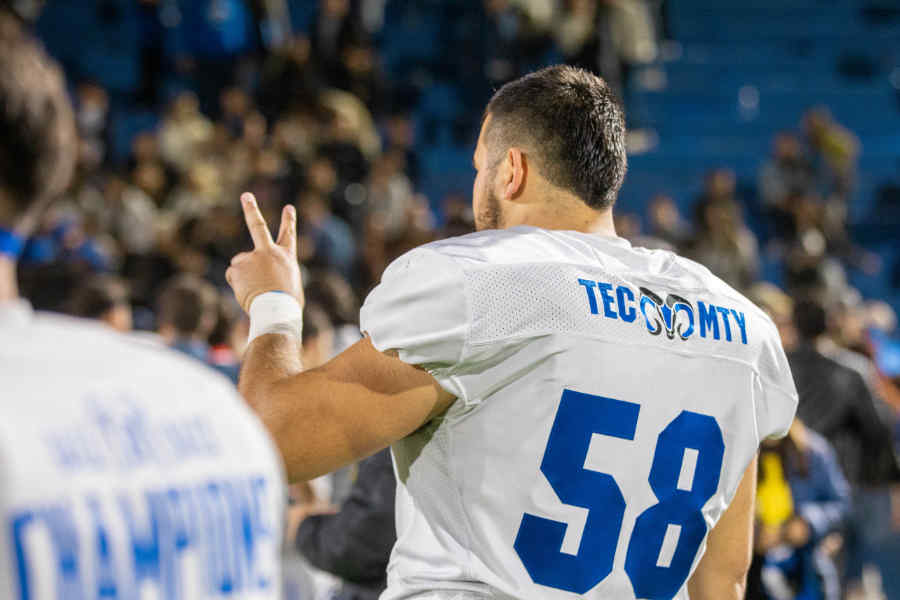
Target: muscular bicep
(354, 405)
(721, 574)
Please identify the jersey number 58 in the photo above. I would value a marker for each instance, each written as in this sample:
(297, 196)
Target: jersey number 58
(677, 514)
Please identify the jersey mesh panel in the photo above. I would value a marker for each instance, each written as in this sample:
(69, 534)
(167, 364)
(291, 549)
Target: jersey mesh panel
(529, 300)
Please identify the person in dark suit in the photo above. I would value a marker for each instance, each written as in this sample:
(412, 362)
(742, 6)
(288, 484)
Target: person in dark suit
(836, 402)
(355, 542)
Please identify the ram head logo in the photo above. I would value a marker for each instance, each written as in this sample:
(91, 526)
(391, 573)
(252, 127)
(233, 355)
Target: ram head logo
(675, 315)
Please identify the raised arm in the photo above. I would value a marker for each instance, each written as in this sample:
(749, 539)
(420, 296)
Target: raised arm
(356, 404)
(349, 408)
(722, 572)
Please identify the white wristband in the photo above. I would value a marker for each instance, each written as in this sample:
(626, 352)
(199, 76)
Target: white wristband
(275, 312)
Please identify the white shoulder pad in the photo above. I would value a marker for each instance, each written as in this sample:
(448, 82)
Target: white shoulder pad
(420, 310)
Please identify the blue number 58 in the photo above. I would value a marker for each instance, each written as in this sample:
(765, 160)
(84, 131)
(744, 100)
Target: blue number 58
(677, 512)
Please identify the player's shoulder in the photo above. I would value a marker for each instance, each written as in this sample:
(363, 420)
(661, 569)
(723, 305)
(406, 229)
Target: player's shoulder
(57, 337)
(714, 286)
(471, 248)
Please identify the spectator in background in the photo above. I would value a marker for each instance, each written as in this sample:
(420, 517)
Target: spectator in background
(390, 194)
(630, 227)
(185, 132)
(318, 336)
(355, 542)
(833, 151)
(210, 37)
(633, 35)
(321, 177)
(835, 402)
(236, 106)
(186, 315)
(228, 338)
(91, 113)
(575, 26)
(611, 37)
(350, 138)
(400, 139)
(780, 307)
(719, 186)
(785, 173)
(830, 346)
(148, 172)
(103, 298)
(289, 80)
(360, 74)
(802, 501)
(459, 218)
(722, 241)
(666, 222)
(513, 41)
(335, 295)
(333, 29)
(133, 217)
(327, 240)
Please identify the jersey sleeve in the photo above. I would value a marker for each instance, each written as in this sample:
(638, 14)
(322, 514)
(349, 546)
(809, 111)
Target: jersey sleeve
(420, 311)
(774, 390)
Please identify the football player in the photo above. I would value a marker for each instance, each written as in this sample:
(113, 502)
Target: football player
(126, 470)
(570, 416)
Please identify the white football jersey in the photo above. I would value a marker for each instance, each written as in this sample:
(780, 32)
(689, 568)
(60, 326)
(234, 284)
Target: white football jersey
(609, 401)
(128, 471)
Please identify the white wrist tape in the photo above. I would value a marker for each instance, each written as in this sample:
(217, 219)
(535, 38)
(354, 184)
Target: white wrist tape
(275, 312)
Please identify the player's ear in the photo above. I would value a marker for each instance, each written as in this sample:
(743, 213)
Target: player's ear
(514, 171)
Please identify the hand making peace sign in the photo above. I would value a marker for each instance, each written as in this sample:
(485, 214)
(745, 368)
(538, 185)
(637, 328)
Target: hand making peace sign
(271, 266)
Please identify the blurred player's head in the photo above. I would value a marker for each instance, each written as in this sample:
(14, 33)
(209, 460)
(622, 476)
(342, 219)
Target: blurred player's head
(810, 319)
(556, 135)
(103, 298)
(187, 309)
(37, 131)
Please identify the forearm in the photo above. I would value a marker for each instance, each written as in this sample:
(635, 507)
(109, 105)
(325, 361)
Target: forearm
(268, 360)
(340, 412)
(722, 572)
(711, 585)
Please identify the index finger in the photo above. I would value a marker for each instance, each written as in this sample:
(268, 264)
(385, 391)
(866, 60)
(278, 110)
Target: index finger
(259, 231)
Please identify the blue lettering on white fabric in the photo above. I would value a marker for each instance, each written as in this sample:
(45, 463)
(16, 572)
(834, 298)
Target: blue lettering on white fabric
(670, 314)
(226, 524)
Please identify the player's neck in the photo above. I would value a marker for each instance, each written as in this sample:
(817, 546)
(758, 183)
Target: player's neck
(583, 219)
(9, 291)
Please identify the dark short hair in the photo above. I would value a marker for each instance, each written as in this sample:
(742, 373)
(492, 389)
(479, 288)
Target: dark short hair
(571, 122)
(37, 129)
(184, 302)
(97, 296)
(810, 319)
(228, 314)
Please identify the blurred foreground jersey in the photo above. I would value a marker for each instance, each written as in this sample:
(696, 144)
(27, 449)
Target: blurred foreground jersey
(127, 471)
(609, 400)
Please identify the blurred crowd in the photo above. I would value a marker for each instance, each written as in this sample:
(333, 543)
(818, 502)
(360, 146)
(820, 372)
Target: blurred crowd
(311, 103)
